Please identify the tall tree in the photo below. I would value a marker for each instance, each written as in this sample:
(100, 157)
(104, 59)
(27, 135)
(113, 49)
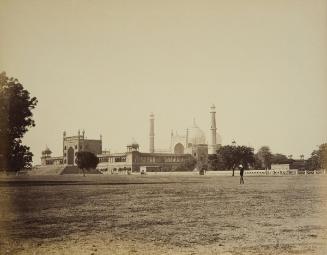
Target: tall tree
(246, 156)
(229, 156)
(16, 107)
(187, 165)
(323, 156)
(313, 163)
(279, 158)
(86, 160)
(215, 162)
(233, 155)
(265, 156)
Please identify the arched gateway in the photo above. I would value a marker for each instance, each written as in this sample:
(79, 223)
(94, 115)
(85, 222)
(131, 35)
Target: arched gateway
(70, 156)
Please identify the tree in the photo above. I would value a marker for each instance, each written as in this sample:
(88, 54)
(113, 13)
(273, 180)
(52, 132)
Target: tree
(318, 159)
(265, 156)
(16, 107)
(313, 163)
(246, 156)
(279, 158)
(187, 165)
(257, 162)
(232, 156)
(229, 156)
(215, 162)
(86, 160)
(323, 156)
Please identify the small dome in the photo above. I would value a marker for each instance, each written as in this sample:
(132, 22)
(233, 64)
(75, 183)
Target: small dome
(47, 151)
(196, 135)
(133, 144)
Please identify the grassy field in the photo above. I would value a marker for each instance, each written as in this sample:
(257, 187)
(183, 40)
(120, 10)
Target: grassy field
(163, 215)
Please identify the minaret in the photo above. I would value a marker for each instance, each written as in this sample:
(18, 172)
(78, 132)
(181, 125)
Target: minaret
(186, 139)
(151, 145)
(171, 140)
(101, 143)
(63, 142)
(213, 131)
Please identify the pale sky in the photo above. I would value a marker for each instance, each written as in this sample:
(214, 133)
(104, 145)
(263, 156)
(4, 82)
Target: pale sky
(103, 66)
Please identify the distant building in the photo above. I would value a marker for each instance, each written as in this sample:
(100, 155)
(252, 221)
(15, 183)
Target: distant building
(280, 167)
(195, 136)
(299, 164)
(74, 144)
(182, 148)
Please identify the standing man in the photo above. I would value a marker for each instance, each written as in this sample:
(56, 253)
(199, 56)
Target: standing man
(241, 173)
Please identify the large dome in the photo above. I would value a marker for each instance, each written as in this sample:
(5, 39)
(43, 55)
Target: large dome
(196, 135)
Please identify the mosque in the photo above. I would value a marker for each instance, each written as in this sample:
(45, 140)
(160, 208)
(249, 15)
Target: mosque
(191, 145)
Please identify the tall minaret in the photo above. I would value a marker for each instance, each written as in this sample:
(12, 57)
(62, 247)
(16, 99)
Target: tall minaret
(186, 139)
(213, 131)
(151, 145)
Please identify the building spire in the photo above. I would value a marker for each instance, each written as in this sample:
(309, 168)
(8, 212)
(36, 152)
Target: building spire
(213, 131)
(151, 134)
(186, 145)
(194, 122)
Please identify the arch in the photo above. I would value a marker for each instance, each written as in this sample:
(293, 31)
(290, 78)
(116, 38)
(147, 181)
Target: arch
(70, 156)
(179, 148)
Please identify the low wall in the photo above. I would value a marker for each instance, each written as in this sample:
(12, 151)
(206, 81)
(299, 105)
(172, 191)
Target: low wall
(246, 173)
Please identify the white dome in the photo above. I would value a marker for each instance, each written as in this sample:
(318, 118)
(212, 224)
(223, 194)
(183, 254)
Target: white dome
(196, 135)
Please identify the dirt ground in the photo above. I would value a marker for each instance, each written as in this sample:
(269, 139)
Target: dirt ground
(163, 215)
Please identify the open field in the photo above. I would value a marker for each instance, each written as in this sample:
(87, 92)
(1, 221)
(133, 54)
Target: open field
(163, 215)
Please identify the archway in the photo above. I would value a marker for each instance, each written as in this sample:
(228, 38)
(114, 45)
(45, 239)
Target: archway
(70, 156)
(179, 149)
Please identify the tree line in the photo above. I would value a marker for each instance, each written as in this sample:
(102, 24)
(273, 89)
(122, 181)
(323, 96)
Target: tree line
(228, 157)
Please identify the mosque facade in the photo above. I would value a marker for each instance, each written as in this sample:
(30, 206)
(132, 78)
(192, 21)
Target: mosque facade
(191, 145)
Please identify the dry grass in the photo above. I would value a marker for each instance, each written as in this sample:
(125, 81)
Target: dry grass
(163, 215)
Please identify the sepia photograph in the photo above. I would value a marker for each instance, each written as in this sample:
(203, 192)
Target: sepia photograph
(154, 127)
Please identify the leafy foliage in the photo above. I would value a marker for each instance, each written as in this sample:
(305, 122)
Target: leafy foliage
(228, 157)
(318, 159)
(279, 158)
(86, 160)
(16, 107)
(264, 156)
(215, 162)
(187, 165)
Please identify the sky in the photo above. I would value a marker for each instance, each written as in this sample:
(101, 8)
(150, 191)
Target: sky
(104, 66)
